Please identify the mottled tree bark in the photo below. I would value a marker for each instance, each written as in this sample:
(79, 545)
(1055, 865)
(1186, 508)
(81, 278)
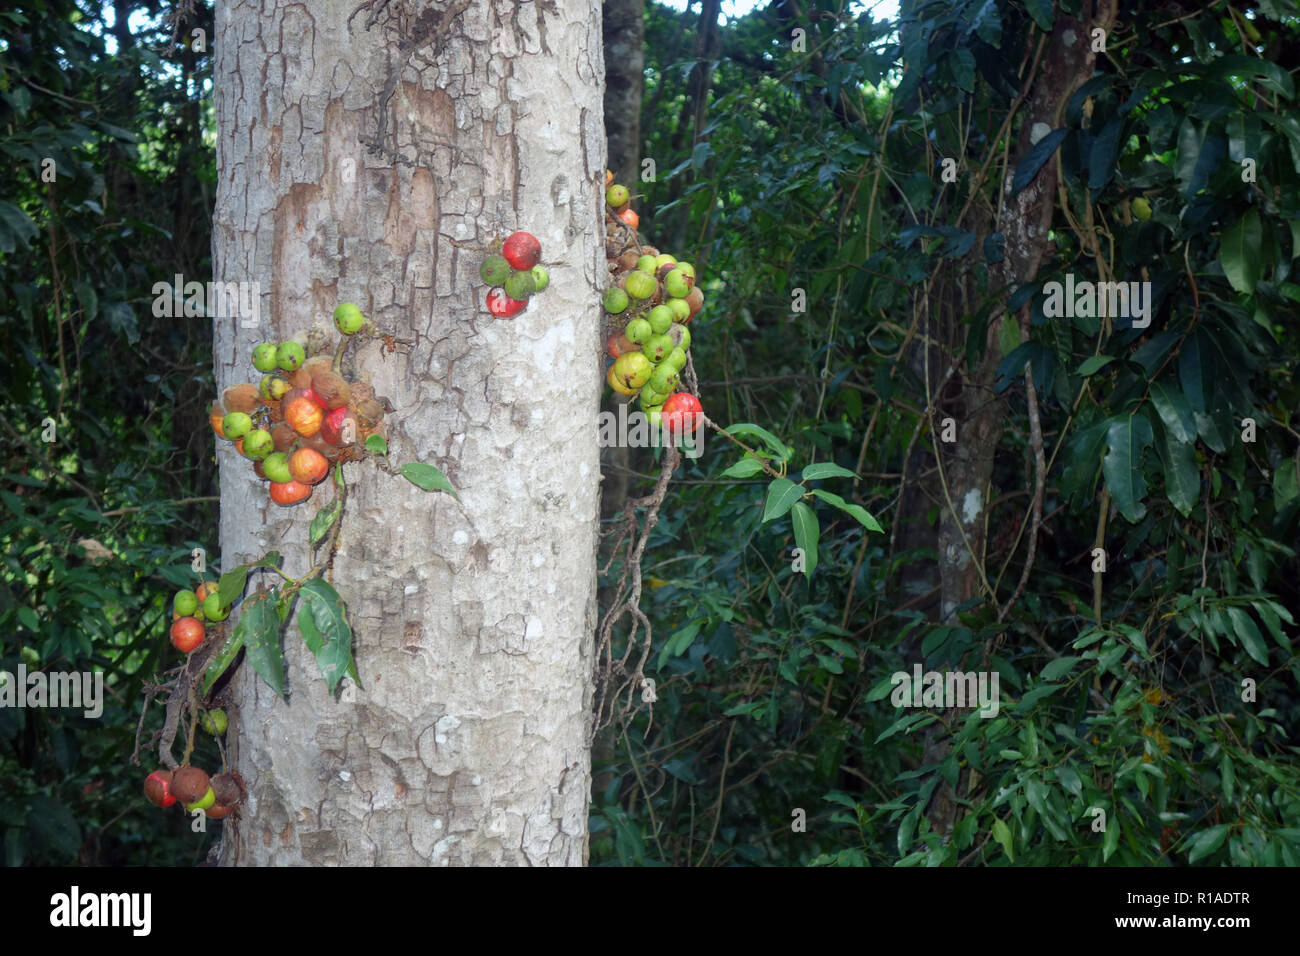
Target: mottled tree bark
(624, 34)
(367, 153)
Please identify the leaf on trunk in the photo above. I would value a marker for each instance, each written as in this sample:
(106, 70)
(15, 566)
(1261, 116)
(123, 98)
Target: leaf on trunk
(323, 521)
(427, 477)
(259, 630)
(324, 624)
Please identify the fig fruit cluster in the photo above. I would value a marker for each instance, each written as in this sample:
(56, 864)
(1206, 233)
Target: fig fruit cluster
(301, 417)
(191, 611)
(514, 274)
(194, 790)
(650, 303)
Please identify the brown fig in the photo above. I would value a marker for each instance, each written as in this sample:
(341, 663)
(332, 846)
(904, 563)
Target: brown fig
(301, 378)
(317, 364)
(283, 436)
(227, 789)
(369, 411)
(218, 812)
(242, 398)
(332, 388)
(362, 391)
(189, 784)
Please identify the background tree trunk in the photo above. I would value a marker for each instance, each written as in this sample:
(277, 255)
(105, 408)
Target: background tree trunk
(473, 621)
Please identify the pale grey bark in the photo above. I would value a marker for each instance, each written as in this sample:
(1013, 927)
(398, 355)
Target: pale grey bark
(473, 622)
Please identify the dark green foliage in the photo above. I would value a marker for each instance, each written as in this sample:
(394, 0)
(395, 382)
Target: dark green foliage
(97, 525)
(774, 686)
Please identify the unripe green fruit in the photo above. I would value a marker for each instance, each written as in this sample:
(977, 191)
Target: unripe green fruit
(273, 387)
(654, 415)
(688, 270)
(212, 608)
(660, 319)
(215, 723)
(676, 359)
(638, 330)
(276, 467)
(664, 259)
(258, 444)
(640, 285)
(681, 309)
(290, 356)
(520, 285)
(617, 195)
(348, 318)
(680, 335)
(541, 278)
(1142, 208)
(676, 284)
(632, 369)
(664, 378)
(494, 270)
(207, 800)
(615, 301)
(657, 347)
(646, 264)
(648, 396)
(236, 425)
(198, 613)
(185, 603)
(264, 357)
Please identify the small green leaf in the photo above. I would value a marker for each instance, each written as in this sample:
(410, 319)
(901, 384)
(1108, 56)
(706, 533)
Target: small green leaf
(1128, 436)
(1091, 365)
(259, 630)
(323, 521)
(221, 661)
(427, 477)
(1059, 667)
(1244, 626)
(232, 585)
(376, 445)
(826, 469)
(1206, 842)
(806, 533)
(1002, 837)
(782, 493)
(323, 621)
(1228, 776)
(679, 641)
(1111, 840)
(1239, 252)
(779, 448)
(862, 515)
(745, 468)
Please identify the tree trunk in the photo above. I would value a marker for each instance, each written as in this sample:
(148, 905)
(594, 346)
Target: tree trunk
(368, 153)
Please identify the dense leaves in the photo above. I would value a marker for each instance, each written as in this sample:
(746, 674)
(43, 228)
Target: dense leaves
(811, 181)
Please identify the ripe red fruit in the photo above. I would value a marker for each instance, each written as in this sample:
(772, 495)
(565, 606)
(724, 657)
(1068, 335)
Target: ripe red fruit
(289, 492)
(158, 788)
(522, 250)
(680, 413)
(308, 466)
(629, 218)
(502, 306)
(335, 427)
(304, 416)
(187, 634)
